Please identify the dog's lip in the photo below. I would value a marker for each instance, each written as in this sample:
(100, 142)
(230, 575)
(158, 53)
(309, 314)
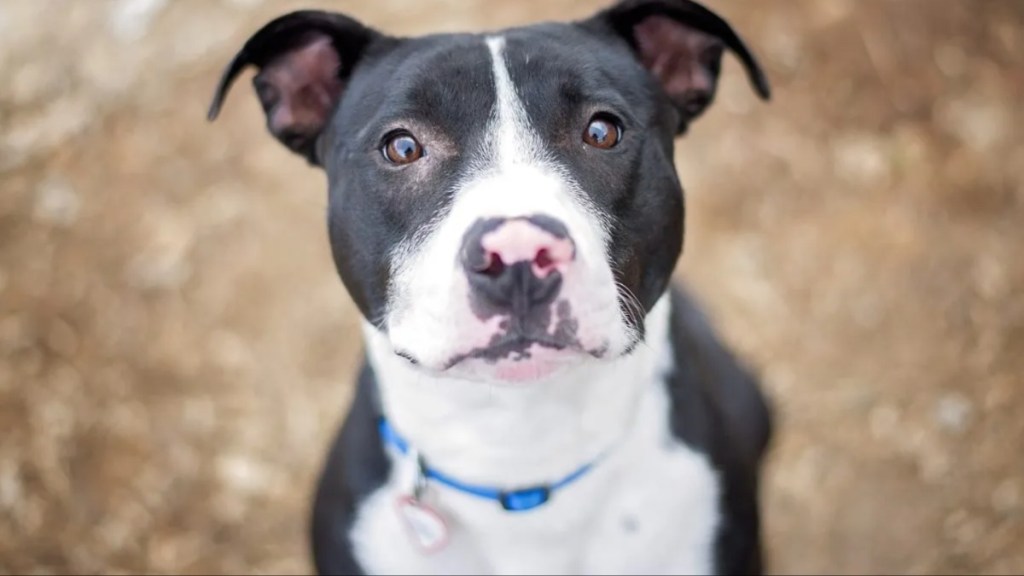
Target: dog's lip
(408, 356)
(501, 349)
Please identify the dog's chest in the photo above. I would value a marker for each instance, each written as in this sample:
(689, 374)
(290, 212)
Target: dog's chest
(650, 507)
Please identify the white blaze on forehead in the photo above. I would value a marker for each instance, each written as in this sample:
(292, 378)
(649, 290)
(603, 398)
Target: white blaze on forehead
(515, 142)
(520, 153)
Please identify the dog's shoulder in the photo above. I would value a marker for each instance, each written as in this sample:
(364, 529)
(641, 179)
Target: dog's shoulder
(716, 399)
(717, 407)
(355, 467)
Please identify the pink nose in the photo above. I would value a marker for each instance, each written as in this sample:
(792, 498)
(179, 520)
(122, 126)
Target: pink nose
(521, 240)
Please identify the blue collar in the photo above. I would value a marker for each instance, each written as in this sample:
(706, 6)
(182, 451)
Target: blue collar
(512, 500)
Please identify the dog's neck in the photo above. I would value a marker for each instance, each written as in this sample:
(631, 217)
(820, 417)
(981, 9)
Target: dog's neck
(519, 434)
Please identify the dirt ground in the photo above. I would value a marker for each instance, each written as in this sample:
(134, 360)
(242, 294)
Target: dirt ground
(176, 350)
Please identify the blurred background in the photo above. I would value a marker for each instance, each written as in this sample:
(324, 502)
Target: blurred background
(176, 350)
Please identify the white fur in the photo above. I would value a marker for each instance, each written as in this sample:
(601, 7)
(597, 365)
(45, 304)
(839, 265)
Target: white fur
(429, 315)
(521, 436)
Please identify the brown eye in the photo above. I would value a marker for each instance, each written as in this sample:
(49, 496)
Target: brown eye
(603, 132)
(402, 148)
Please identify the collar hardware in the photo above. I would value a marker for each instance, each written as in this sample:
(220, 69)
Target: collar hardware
(517, 500)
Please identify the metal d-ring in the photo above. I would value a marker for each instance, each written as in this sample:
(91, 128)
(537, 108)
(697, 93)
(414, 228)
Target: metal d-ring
(421, 479)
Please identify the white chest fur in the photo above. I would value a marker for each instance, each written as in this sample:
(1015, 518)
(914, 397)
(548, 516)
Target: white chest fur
(649, 507)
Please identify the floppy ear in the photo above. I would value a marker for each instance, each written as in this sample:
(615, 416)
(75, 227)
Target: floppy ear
(681, 43)
(304, 59)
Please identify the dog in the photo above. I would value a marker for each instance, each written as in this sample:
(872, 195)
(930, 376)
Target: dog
(538, 395)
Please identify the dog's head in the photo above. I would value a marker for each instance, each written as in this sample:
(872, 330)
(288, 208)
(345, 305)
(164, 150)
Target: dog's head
(502, 205)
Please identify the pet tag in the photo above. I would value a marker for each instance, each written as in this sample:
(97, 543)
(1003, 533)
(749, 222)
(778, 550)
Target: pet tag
(425, 526)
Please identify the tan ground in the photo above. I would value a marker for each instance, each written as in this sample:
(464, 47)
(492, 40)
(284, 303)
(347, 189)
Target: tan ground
(175, 349)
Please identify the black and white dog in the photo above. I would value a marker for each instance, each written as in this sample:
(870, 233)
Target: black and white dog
(504, 211)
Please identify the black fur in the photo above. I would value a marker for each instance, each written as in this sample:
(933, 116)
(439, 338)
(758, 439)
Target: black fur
(355, 467)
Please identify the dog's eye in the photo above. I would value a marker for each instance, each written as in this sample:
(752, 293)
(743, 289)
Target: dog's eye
(402, 148)
(603, 132)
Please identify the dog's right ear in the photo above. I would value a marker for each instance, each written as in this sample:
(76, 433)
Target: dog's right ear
(304, 59)
(680, 42)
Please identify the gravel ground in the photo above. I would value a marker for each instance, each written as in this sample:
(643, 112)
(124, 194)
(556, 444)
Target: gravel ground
(176, 351)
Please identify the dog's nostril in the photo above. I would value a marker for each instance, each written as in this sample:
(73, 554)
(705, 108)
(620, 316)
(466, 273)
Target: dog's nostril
(493, 265)
(543, 260)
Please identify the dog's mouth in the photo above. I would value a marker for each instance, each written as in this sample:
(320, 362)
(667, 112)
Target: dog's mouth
(517, 348)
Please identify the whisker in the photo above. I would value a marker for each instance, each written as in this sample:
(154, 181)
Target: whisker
(631, 301)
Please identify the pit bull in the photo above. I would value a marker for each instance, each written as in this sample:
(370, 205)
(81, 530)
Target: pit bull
(538, 396)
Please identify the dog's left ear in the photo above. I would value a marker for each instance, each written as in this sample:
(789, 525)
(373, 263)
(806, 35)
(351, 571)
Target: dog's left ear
(681, 43)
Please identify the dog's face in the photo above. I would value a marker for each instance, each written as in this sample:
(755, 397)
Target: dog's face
(501, 206)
